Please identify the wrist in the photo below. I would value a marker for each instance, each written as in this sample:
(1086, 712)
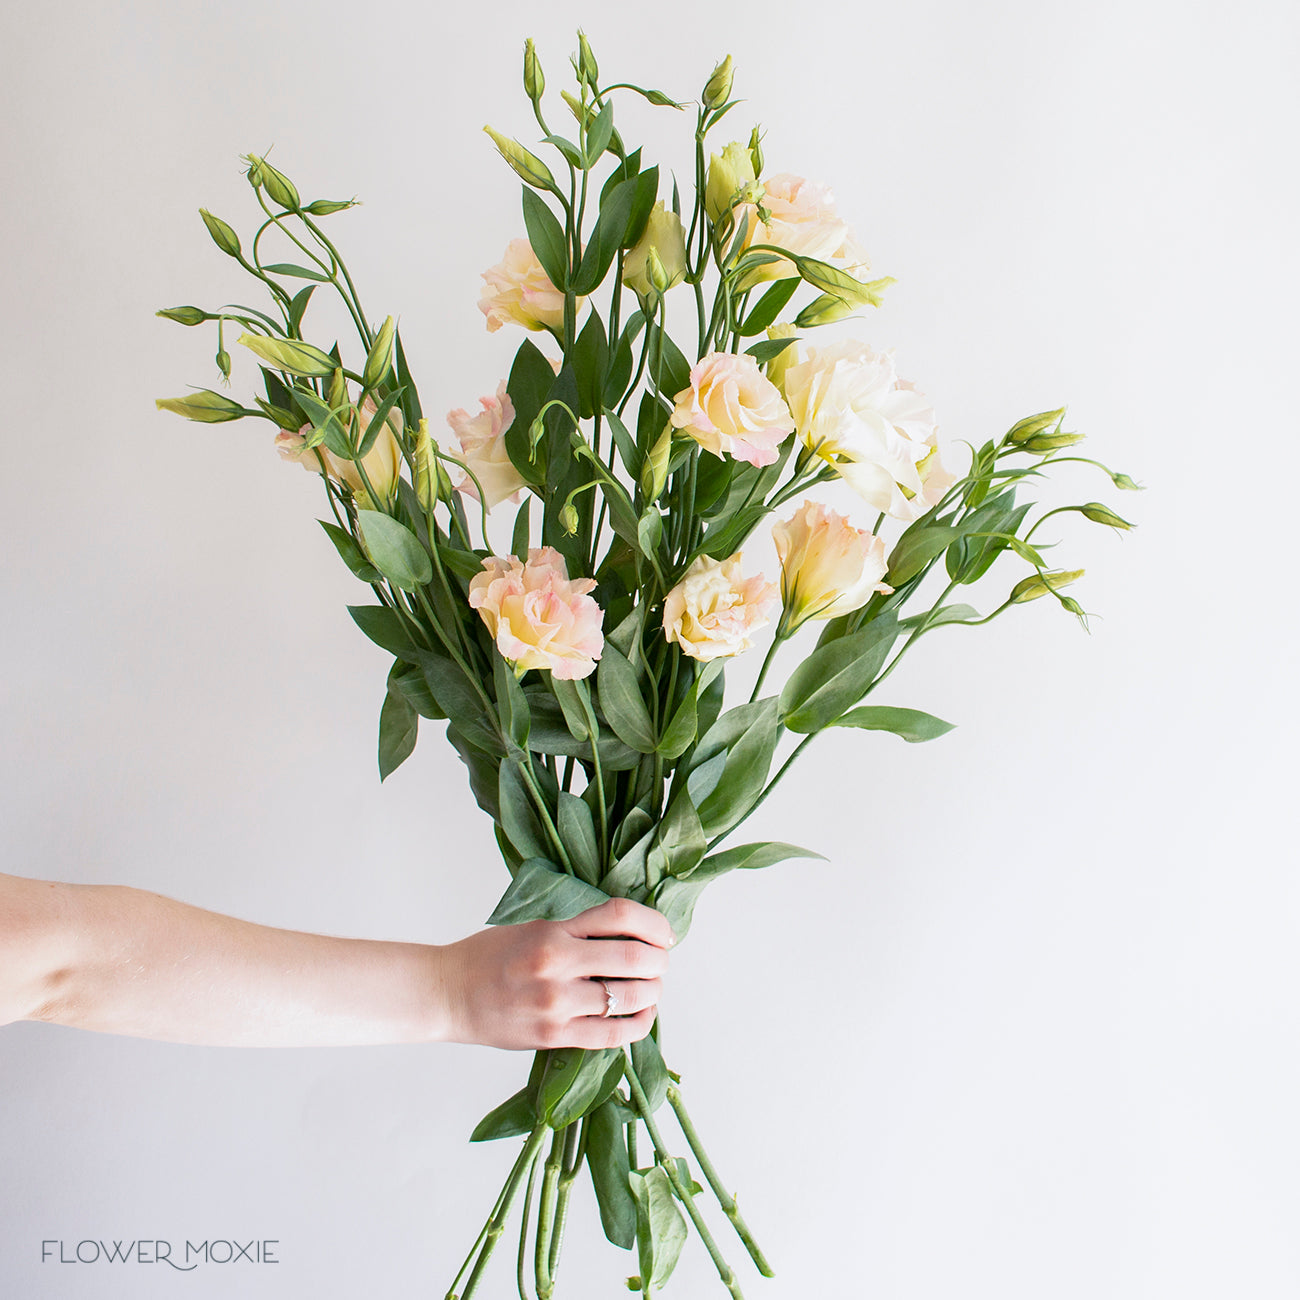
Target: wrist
(440, 995)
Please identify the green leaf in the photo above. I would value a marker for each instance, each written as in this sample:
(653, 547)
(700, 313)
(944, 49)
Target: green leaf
(531, 378)
(298, 307)
(748, 763)
(411, 411)
(680, 841)
(666, 363)
(512, 703)
(540, 891)
(651, 1070)
(518, 818)
(398, 725)
(514, 1116)
(769, 348)
(946, 614)
(621, 701)
(590, 359)
(409, 679)
(350, 553)
(464, 564)
(386, 629)
(323, 419)
(606, 237)
(749, 857)
(376, 422)
(546, 236)
(681, 730)
(578, 834)
(607, 1159)
(920, 544)
(395, 551)
(575, 703)
(911, 724)
(620, 368)
(599, 134)
(768, 307)
(676, 897)
(836, 676)
(300, 272)
(649, 532)
(575, 1080)
(661, 1230)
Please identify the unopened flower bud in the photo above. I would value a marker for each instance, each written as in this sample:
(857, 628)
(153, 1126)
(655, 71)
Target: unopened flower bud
(222, 235)
(718, 89)
(588, 69)
(729, 172)
(1123, 481)
(223, 363)
(1025, 429)
(205, 406)
(756, 151)
(278, 186)
(338, 393)
(582, 113)
(290, 355)
(528, 167)
(825, 310)
(1073, 606)
(534, 81)
(1100, 514)
(655, 273)
(430, 477)
(184, 315)
(1044, 442)
(1039, 584)
(654, 473)
(569, 518)
(380, 359)
(324, 207)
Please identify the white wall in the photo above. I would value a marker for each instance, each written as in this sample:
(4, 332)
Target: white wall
(1032, 1030)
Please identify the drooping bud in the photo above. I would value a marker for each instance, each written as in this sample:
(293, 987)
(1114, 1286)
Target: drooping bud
(222, 235)
(534, 81)
(756, 151)
(205, 406)
(380, 360)
(718, 89)
(185, 315)
(1039, 584)
(588, 69)
(290, 355)
(528, 167)
(1100, 514)
(1025, 429)
(278, 186)
(223, 363)
(569, 518)
(1123, 481)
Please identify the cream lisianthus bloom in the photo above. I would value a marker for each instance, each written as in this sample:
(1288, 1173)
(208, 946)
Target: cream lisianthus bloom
(483, 449)
(729, 173)
(714, 610)
(828, 567)
(538, 615)
(733, 409)
(851, 409)
(382, 463)
(663, 233)
(804, 220)
(518, 291)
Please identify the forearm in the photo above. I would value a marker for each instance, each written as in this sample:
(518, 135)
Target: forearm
(126, 961)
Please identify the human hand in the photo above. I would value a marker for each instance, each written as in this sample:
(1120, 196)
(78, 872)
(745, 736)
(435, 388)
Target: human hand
(540, 984)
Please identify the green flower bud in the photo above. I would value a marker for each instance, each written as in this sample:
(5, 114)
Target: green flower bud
(655, 273)
(1100, 514)
(290, 355)
(205, 406)
(534, 81)
(569, 519)
(528, 167)
(1123, 481)
(223, 363)
(825, 310)
(1025, 429)
(324, 207)
(654, 473)
(581, 112)
(756, 151)
(729, 172)
(380, 360)
(338, 393)
(222, 235)
(588, 69)
(185, 315)
(1039, 584)
(287, 420)
(718, 89)
(278, 186)
(428, 472)
(1073, 606)
(1044, 442)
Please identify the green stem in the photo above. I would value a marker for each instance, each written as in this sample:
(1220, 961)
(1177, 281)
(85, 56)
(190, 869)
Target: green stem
(725, 1199)
(496, 1223)
(575, 1147)
(771, 654)
(546, 1219)
(683, 1192)
(520, 1281)
(594, 730)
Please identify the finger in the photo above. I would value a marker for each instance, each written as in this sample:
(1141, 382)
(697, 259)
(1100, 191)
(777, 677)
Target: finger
(622, 916)
(608, 1031)
(620, 959)
(622, 997)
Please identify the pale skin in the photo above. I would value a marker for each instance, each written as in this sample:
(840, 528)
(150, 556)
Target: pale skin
(126, 961)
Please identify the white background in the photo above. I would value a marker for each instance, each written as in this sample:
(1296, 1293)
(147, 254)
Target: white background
(1031, 1031)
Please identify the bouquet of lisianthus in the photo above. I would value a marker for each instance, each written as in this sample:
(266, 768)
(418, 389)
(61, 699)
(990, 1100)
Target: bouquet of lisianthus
(581, 674)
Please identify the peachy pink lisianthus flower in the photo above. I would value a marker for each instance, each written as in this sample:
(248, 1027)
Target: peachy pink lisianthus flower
(733, 409)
